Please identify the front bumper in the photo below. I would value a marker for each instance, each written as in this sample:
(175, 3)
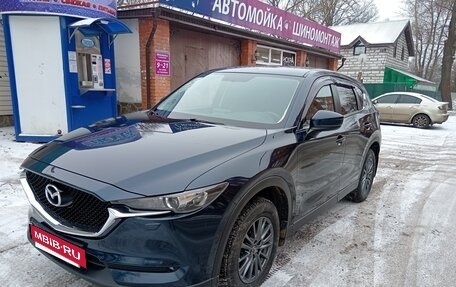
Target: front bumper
(144, 251)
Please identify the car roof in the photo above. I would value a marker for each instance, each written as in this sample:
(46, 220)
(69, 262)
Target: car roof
(401, 93)
(418, 95)
(284, 71)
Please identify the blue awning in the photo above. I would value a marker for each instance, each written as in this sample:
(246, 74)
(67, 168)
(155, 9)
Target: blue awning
(94, 26)
(109, 25)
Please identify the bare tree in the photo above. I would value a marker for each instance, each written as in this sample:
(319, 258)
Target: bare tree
(275, 3)
(344, 12)
(449, 50)
(429, 23)
(287, 5)
(453, 82)
(331, 12)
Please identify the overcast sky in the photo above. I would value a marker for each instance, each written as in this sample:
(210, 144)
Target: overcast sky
(389, 9)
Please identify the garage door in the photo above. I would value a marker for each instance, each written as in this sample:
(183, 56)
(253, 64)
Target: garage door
(194, 52)
(317, 61)
(5, 93)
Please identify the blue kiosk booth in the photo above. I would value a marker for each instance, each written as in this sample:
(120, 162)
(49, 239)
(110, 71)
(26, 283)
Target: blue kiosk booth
(61, 64)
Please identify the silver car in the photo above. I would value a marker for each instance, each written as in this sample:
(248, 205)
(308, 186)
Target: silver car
(411, 108)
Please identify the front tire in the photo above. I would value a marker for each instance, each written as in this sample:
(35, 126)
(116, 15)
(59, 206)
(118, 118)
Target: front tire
(421, 121)
(366, 178)
(251, 246)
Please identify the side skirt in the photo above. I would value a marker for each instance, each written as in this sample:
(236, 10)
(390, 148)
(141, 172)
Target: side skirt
(321, 209)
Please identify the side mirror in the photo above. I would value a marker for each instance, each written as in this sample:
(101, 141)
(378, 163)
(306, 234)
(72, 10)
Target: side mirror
(375, 102)
(326, 120)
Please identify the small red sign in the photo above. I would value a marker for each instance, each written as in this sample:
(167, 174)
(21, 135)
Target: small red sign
(58, 247)
(162, 63)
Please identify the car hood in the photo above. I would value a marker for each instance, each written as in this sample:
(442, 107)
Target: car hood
(148, 155)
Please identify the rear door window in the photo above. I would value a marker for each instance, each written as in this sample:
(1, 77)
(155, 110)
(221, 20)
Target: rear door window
(407, 99)
(389, 99)
(347, 98)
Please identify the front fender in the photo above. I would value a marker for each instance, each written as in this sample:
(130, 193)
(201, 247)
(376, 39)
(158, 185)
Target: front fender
(277, 177)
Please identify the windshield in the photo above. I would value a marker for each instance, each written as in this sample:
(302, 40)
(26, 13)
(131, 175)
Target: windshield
(233, 98)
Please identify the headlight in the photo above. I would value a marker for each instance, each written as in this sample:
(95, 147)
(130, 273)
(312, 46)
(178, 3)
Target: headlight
(183, 202)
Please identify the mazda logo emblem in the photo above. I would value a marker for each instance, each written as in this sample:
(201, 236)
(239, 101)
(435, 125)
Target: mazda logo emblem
(56, 197)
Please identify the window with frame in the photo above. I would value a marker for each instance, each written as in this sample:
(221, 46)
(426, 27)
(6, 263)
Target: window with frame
(263, 55)
(359, 49)
(388, 99)
(275, 57)
(363, 100)
(323, 101)
(402, 54)
(407, 99)
(347, 98)
(394, 51)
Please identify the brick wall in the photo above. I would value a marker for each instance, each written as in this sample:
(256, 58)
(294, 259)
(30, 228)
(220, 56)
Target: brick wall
(248, 48)
(397, 62)
(301, 58)
(377, 58)
(372, 69)
(160, 85)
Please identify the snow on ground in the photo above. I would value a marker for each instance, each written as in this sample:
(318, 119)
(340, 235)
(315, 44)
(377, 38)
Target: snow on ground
(403, 235)
(13, 203)
(20, 264)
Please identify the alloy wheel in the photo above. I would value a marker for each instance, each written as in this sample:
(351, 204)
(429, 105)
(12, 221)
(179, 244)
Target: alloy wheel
(368, 175)
(421, 121)
(256, 249)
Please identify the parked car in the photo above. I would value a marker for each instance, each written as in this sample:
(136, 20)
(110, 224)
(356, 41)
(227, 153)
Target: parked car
(411, 108)
(201, 189)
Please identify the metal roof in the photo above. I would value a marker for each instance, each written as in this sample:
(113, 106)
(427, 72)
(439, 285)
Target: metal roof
(415, 77)
(376, 33)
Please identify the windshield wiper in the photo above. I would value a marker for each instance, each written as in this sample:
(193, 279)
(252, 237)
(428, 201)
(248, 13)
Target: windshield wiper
(155, 113)
(204, 121)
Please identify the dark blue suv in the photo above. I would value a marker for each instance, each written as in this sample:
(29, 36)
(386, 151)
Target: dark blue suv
(201, 189)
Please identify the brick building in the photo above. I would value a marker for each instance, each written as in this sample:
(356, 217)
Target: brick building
(173, 41)
(372, 48)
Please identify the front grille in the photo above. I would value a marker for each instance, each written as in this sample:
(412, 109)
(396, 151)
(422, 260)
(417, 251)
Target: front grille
(86, 212)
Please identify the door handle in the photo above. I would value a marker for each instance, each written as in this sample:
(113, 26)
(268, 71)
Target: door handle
(340, 140)
(78, 107)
